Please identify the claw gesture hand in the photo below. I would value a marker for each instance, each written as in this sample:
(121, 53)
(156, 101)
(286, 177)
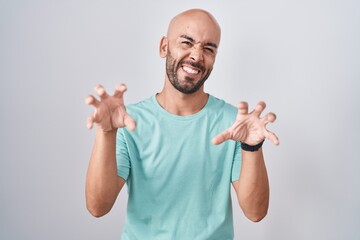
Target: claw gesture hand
(110, 112)
(248, 127)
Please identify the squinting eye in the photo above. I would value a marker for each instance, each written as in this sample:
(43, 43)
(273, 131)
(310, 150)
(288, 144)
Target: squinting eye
(186, 43)
(209, 50)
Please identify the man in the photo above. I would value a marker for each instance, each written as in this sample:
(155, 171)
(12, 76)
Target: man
(168, 149)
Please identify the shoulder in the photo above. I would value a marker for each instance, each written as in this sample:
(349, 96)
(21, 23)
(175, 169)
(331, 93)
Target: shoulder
(146, 105)
(220, 107)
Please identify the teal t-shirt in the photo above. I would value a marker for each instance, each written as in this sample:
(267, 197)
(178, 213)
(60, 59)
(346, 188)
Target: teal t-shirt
(178, 182)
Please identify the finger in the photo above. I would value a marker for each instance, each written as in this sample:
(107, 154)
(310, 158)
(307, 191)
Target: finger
(90, 122)
(243, 108)
(100, 90)
(222, 137)
(119, 90)
(270, 117)
(91, 100)
(272, 137)
(129, 122)
(259, 108)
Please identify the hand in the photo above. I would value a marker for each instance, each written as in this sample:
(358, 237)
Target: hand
(248, 127)
(110, 112)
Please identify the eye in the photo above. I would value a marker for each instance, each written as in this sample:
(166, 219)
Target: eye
(209, 50)
(186, 43)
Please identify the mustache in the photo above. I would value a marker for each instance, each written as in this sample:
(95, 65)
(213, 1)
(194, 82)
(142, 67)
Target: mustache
(193, 64)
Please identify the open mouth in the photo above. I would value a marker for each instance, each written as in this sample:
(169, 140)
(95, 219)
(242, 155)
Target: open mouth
(190, 70)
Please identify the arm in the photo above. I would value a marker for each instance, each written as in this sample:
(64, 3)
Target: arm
(252, 189)
(102, 181)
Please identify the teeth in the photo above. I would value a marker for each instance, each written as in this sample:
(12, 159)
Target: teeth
(190, 70)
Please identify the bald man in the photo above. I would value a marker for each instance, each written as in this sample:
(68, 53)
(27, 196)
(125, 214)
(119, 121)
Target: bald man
(180, 150)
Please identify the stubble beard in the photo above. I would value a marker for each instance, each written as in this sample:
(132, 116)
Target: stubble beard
(171, 71)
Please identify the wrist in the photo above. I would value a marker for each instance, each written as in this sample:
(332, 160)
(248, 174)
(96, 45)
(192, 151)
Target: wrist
(100, 130)
(251, 148)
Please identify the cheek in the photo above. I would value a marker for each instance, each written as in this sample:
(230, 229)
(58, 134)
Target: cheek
(176, 55)
(209, 64)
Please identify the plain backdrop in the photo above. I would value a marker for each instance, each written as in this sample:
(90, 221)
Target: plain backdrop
(301, 57)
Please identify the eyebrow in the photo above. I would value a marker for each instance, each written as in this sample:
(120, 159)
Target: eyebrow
(211, 44)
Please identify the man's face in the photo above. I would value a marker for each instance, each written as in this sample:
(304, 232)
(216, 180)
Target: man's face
(190, 55)
(185, 75)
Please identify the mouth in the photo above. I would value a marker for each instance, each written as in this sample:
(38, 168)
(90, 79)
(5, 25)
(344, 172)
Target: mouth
(190, 70)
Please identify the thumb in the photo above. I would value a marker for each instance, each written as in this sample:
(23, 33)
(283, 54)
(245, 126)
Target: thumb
(129, 122)
(272, 137)
(222, 137)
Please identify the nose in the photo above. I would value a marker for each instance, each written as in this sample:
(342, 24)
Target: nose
(196, 54)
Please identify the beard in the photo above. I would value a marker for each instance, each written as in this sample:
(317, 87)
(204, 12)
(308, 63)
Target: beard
(172, 66)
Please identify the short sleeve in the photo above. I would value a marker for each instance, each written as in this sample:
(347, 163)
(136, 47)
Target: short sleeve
(122, 155)
(236, 164)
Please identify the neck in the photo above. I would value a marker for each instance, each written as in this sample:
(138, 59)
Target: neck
(182, 104)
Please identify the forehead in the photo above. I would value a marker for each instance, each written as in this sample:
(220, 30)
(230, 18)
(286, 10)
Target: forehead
(200, 27)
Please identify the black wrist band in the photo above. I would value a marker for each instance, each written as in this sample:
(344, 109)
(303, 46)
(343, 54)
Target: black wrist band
(251, 148)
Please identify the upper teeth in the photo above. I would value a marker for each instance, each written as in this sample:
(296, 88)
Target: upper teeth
(190, 70)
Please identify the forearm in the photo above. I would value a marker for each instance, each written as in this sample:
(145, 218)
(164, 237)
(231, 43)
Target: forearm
(253, 186)
(102, 182)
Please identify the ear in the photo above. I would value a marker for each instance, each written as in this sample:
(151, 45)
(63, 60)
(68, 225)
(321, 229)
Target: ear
(163, 47)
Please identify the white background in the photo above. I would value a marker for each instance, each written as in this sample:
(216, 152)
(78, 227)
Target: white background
(301, 57)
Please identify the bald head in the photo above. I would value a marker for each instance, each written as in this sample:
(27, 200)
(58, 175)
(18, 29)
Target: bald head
(190, 49)
(198, 20)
